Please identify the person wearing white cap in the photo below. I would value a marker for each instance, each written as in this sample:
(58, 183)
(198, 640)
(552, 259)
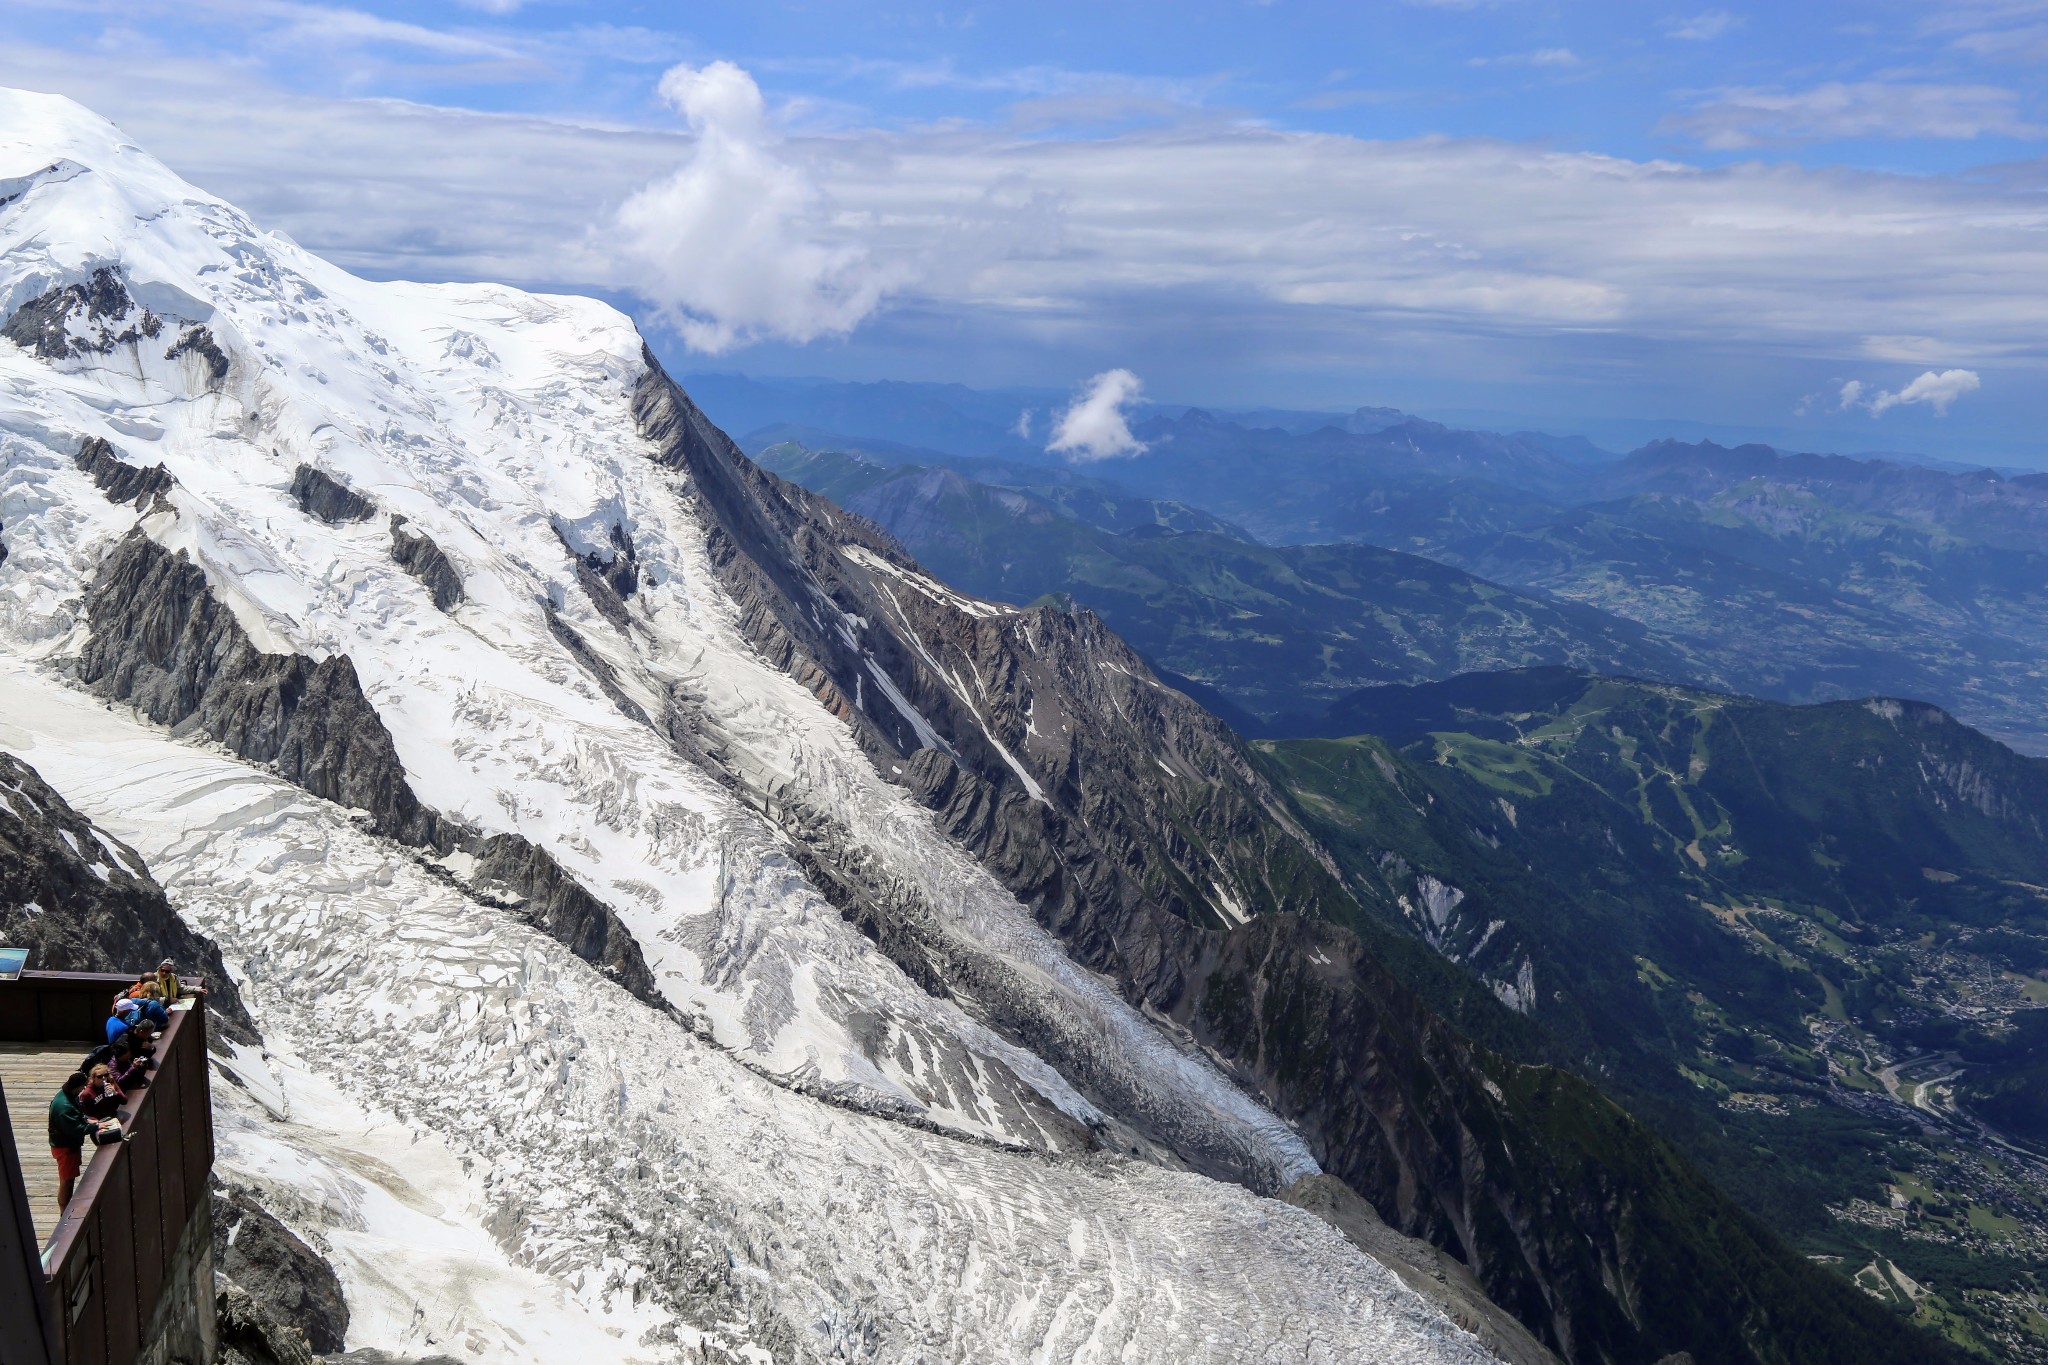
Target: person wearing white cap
(126, 1012)
(128, 1017)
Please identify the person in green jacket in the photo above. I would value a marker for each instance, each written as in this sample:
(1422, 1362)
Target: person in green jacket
(69, 1128)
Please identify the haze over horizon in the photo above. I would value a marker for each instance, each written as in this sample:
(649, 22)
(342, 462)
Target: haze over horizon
(1819, 225)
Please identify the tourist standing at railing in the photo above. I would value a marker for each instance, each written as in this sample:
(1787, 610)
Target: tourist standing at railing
(69, 1128)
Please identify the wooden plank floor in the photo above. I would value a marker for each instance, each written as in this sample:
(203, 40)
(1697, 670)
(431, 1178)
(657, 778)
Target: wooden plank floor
(32, 1073)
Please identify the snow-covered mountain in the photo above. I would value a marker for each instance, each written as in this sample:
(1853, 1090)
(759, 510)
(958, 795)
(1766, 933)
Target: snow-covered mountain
(619, 856)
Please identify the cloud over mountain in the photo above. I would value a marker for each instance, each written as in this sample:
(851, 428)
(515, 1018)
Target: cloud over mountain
(1935, 389)
(737, 244)
(1095, 427)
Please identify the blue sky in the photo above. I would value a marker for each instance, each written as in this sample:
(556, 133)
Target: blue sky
(1588, 214)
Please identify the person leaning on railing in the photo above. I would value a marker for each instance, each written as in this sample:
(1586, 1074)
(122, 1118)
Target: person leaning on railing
(130, 1062)
(128, 1018)
(70, 1126)
(169, 988)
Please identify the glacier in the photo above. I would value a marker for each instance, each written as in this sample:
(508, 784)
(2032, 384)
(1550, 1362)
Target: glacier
(806, 1154)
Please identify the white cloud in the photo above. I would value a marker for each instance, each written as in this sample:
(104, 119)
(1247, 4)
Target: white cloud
(1935, 389)
(1705, 27)
(1021, 428)
(1742, 117)
(736, 245)
(1325, 241)
(1095, 427)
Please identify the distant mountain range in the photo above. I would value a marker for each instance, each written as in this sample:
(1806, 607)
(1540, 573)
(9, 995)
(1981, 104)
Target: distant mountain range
(1790, 576)
(1268, 636)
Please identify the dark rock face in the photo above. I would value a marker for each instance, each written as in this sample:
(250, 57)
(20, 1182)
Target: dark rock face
(1142, 796)
(558, 905)
(601, 672)
(111, 318)
(423, 559)
(293, 1289)
(608, 579)
(318, 495)
(119, 480)
(82, 901)
(1135, 826)
(162, 642)
(199, 341)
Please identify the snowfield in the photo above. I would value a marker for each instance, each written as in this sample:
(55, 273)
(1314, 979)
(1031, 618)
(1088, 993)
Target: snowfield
(506, 1155)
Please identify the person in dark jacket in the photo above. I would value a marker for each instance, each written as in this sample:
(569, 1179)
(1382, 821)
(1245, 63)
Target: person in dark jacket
(130, 1064)
(69, 1128)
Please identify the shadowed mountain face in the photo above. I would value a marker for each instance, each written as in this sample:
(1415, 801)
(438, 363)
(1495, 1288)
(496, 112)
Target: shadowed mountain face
(1813, 939)
(1269, 635)
(1144, 834)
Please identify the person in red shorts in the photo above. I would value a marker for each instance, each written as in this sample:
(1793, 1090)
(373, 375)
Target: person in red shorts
(69, 1128)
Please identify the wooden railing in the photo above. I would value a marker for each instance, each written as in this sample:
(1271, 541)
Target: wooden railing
(106, 1261)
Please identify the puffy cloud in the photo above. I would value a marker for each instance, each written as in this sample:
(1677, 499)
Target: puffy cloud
(1741, 116)
(1095, 427)
(1936, 389)
(737, 245)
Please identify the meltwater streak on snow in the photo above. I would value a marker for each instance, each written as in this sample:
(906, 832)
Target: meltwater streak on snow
(603, 1162)
(497, 423)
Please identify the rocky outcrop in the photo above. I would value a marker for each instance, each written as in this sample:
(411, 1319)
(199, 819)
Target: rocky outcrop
(558, 905)
(1077, 774)
(414, 552)
(80, 900)
(199, 342)
(280, 1297)
(119, 480)
(600, 670)
(84, 319)
(318, 494)
(162, 642)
